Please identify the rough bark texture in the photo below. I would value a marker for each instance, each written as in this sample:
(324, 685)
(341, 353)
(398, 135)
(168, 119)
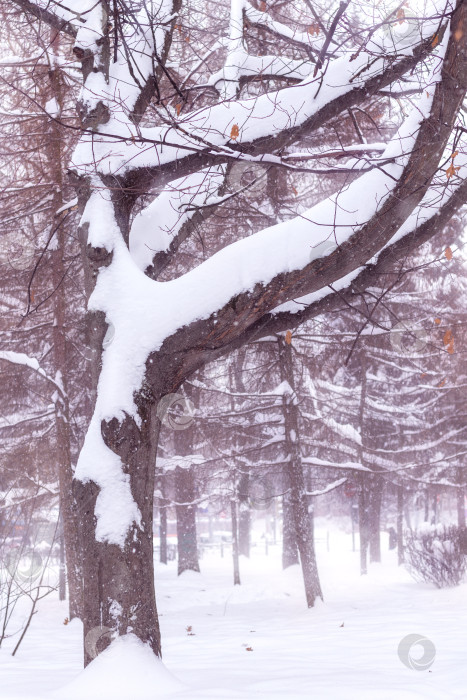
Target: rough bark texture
(119, 582)
(298, 494)
(62, 410)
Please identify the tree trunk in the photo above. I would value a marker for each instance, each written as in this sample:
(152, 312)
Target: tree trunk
(62, 566)
(426, 515)
(244, 515)
(460, 499)
(363, 494)
(435, 516)
(186, 520)
(163, 503)
(244, 512)
(363, 525)
(119, 581)
(62, 413)
(289, 541)
(163, 531)
(236, 564)
(298, 495)
(408, 521)
(400, 515)
(374, 517)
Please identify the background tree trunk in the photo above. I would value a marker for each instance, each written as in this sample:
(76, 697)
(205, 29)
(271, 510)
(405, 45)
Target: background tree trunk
(363, 525)
(460, 500)
(400, 517)
(163, 532)
(298, 495)
(236, 564)
(289, 540)
(244, 515)
(185, 494)
(363, 493)
(374, 517)
(62, 409)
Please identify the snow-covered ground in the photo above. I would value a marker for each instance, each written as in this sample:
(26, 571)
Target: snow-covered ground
(258, 640)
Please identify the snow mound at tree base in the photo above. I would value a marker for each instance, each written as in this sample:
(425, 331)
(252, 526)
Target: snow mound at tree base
(127, 669)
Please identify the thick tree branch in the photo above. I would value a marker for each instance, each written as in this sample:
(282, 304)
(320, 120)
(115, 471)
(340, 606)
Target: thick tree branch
(370, 276)
(19, 358)
(229, 326)
(48, 17)
(151, 86)
(190, 155)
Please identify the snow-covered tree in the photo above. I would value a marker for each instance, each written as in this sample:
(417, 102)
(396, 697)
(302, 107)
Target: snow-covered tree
(164, 119)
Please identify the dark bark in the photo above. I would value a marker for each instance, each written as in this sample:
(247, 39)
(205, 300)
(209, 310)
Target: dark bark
(363, 525)
(163, 531)
(62, 409)
(47, 17)
(298, 494)
(374, 517)
(244, 510)
(185, 494)
(364, 481)
(70, 525)
(163, 503)
(119, 581)
(289, 541)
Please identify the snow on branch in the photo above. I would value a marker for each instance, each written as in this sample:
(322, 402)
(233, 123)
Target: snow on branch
(235, 288)
(328, 488)
(222, 131)
(145, 313)
(160, 228)
(265, 21)
(19, 358)
(317, 462)
(55, 14)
